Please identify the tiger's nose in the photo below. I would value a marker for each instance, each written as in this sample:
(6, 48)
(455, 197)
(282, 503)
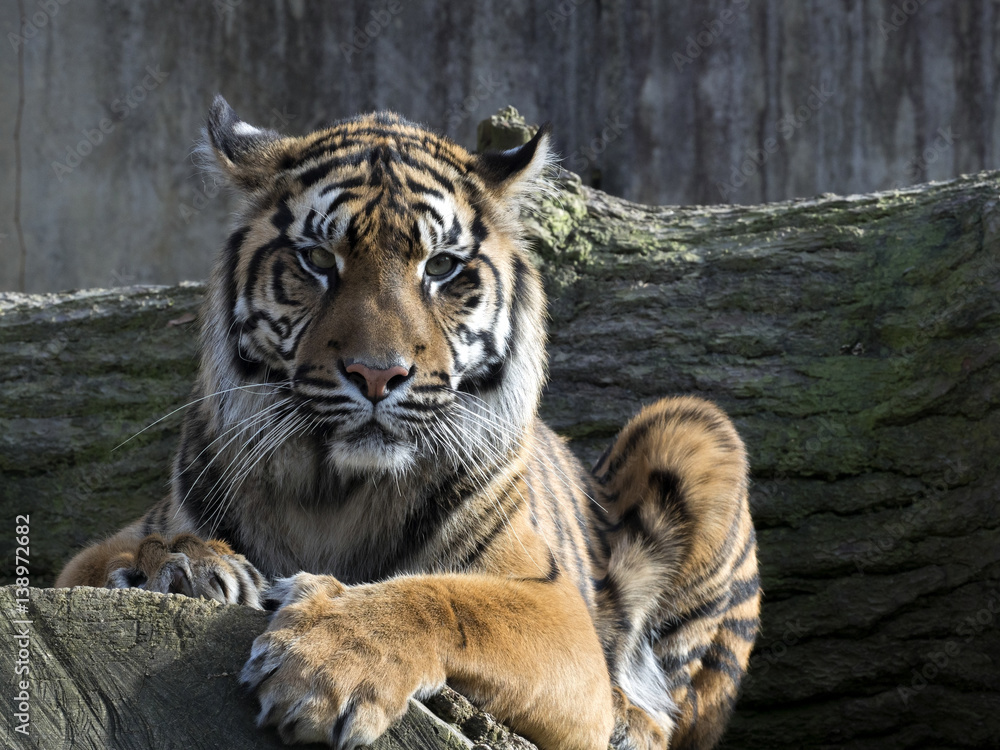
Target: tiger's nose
(376, 384)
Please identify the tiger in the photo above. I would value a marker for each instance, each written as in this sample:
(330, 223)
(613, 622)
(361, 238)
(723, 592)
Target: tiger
(363, 455)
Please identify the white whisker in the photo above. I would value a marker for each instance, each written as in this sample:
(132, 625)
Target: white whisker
(195, 401)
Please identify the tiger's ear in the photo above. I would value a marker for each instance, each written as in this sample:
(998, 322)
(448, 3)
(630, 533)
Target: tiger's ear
(517, 171)
(246, 155)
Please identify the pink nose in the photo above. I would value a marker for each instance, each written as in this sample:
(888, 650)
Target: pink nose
(375, 383)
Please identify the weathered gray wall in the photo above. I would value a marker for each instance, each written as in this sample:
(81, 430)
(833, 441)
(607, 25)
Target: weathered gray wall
(662, 99)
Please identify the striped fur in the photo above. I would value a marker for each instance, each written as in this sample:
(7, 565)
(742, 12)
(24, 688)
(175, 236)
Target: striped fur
(441, 532)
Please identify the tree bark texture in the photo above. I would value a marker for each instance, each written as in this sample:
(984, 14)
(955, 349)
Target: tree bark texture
(855, 341)
(133, 670)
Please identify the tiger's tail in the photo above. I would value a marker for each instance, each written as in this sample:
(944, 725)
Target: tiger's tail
(679, 605)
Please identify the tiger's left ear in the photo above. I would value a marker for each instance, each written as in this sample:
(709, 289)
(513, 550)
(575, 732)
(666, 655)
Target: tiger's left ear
(247, 155)
(517, 171)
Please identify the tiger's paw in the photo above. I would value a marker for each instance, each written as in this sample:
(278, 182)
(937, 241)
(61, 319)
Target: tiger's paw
(190, 566)
(634, 728)
(337, 665)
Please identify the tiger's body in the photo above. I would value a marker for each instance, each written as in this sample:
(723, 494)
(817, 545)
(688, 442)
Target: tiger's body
(363, 449)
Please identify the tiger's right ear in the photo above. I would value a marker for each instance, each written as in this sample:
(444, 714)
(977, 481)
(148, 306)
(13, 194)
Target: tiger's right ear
(247, 155)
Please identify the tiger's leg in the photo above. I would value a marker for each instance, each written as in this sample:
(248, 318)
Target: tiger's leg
(338, 664)
(678, 613)
(156, 555)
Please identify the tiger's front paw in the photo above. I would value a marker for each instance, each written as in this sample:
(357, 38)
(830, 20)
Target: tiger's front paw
(338, 665)
(188, 565)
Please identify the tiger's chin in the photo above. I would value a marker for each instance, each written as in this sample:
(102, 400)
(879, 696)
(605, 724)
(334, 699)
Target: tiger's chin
(371, 450)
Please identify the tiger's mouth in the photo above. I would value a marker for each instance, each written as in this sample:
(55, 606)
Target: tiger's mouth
(372, 447)
(373, 432)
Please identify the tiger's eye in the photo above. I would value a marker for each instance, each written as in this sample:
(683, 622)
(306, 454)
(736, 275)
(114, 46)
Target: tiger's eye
(322, 258)
(441, 265)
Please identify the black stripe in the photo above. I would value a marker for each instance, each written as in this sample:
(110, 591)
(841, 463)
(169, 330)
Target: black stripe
(311, 176)
(670, 494)
(446, 184)
(246, 365)
(299, 378)
(416, 187)
(289, 352)
(243, 578)
(332, 400)
(350, 182)
(721, 659)
(278, 284)
(551, 576)
(162, 515)
(257, 260)
(744, 628)
(737, 593)
(479, 230)
(230, 260)
(439, 503)
(485, 540)
(744, 590)
(722, 554)
(639, 432)
(432, 212)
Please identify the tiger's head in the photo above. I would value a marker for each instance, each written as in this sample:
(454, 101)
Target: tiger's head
(377, 275)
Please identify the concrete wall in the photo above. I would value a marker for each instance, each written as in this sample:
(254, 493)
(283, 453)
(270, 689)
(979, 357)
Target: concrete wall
(662, 102)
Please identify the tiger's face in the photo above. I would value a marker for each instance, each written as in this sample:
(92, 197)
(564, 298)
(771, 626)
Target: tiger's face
(378, 276)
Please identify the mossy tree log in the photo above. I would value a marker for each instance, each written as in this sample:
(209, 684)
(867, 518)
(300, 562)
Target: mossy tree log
(132, 670)
(855, 340)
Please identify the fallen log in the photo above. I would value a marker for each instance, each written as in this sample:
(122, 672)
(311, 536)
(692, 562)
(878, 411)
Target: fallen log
(132, 670)
(855, 340)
